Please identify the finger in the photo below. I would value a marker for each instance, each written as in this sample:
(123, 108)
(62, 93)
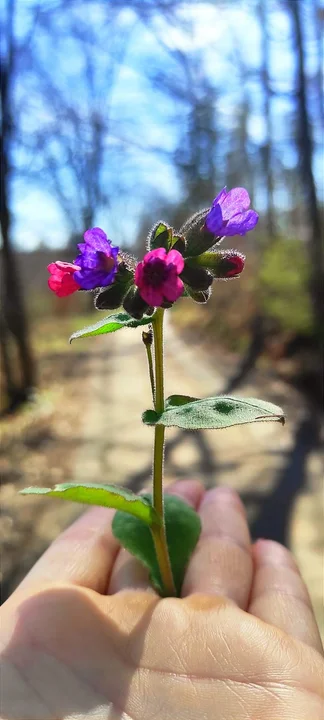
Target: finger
(279, 595)
(221, 563)
(129, 572)
(83, 554)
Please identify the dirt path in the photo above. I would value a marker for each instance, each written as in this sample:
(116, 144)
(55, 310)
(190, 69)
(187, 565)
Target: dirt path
(277, 470)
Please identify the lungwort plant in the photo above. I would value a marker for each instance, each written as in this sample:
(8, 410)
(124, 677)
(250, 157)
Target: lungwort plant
(160, 530)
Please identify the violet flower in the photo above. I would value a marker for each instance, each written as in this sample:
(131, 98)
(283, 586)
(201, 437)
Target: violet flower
(230, 214)
(97, 261)
(157, 276)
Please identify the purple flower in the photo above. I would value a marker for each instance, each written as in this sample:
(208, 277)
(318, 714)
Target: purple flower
(157, 276)
(230, 214)
(97, 261)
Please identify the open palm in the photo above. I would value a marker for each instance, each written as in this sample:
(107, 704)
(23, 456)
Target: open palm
(85, 637)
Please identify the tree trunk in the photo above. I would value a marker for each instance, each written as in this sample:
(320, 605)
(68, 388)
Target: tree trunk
(305, 147)
(13, 309)
(267, 155)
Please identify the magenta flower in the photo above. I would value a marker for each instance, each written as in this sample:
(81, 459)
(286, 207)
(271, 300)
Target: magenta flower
(62, 281)
(97, 261)
(157, 276)
(230, 214)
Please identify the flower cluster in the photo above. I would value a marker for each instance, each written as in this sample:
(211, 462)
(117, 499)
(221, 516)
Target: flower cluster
(95, 266)
(175, 265)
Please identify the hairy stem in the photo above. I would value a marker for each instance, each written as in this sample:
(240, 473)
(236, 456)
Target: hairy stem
(159, 533)
(147, 338)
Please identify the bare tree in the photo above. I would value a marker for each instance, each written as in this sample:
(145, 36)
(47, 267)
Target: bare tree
(68, 150)
(75, 150)
(14, 327)
(305, 147)
(266, 150)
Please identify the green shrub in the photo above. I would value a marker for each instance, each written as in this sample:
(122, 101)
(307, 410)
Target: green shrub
(284, 276)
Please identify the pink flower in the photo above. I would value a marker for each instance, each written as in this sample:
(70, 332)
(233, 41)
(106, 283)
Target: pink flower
(62, 281)
(157, 277)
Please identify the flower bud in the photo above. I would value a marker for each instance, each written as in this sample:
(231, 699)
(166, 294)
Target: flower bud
(147, 337)
(196, 277)
(222, 265)
(197, 236)
(112, 297)
(135, 305)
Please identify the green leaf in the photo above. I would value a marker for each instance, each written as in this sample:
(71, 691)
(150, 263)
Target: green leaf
(179, 244)
(198, 296)
(104, 495)
(183, 528)
(160, 236)
(214, 412)
(178, 400)
(109, 324)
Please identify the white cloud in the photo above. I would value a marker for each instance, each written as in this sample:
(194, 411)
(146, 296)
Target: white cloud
(38, 219)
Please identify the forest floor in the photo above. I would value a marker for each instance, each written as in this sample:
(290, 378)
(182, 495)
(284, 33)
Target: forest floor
(85, 425)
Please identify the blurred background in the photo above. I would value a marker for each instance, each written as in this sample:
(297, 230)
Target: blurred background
(118, 114)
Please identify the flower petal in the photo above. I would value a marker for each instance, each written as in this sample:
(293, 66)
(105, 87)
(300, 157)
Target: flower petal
(172, 288)
(82, 247)
(63, 286)
(175, 258)
(61, 265)
(90, 259)
(214, 220)
(220, 197)
(158, 253)
(96, 238)
(91, 279)
(139, 274)
(236, 201)
(241, 223)
(152, 296)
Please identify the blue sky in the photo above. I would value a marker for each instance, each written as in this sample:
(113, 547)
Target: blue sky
(143, 119)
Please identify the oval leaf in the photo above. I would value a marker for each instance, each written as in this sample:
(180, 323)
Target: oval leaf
(183, 528)
(213, 413)
(160, 236)
(110, 324)
(104, 495)
(178, 400)
(199, 296)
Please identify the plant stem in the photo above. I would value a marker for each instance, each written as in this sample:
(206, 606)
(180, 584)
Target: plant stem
(147, 338)
(158, 532)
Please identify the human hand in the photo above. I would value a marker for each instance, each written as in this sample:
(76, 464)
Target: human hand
(85, 637)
